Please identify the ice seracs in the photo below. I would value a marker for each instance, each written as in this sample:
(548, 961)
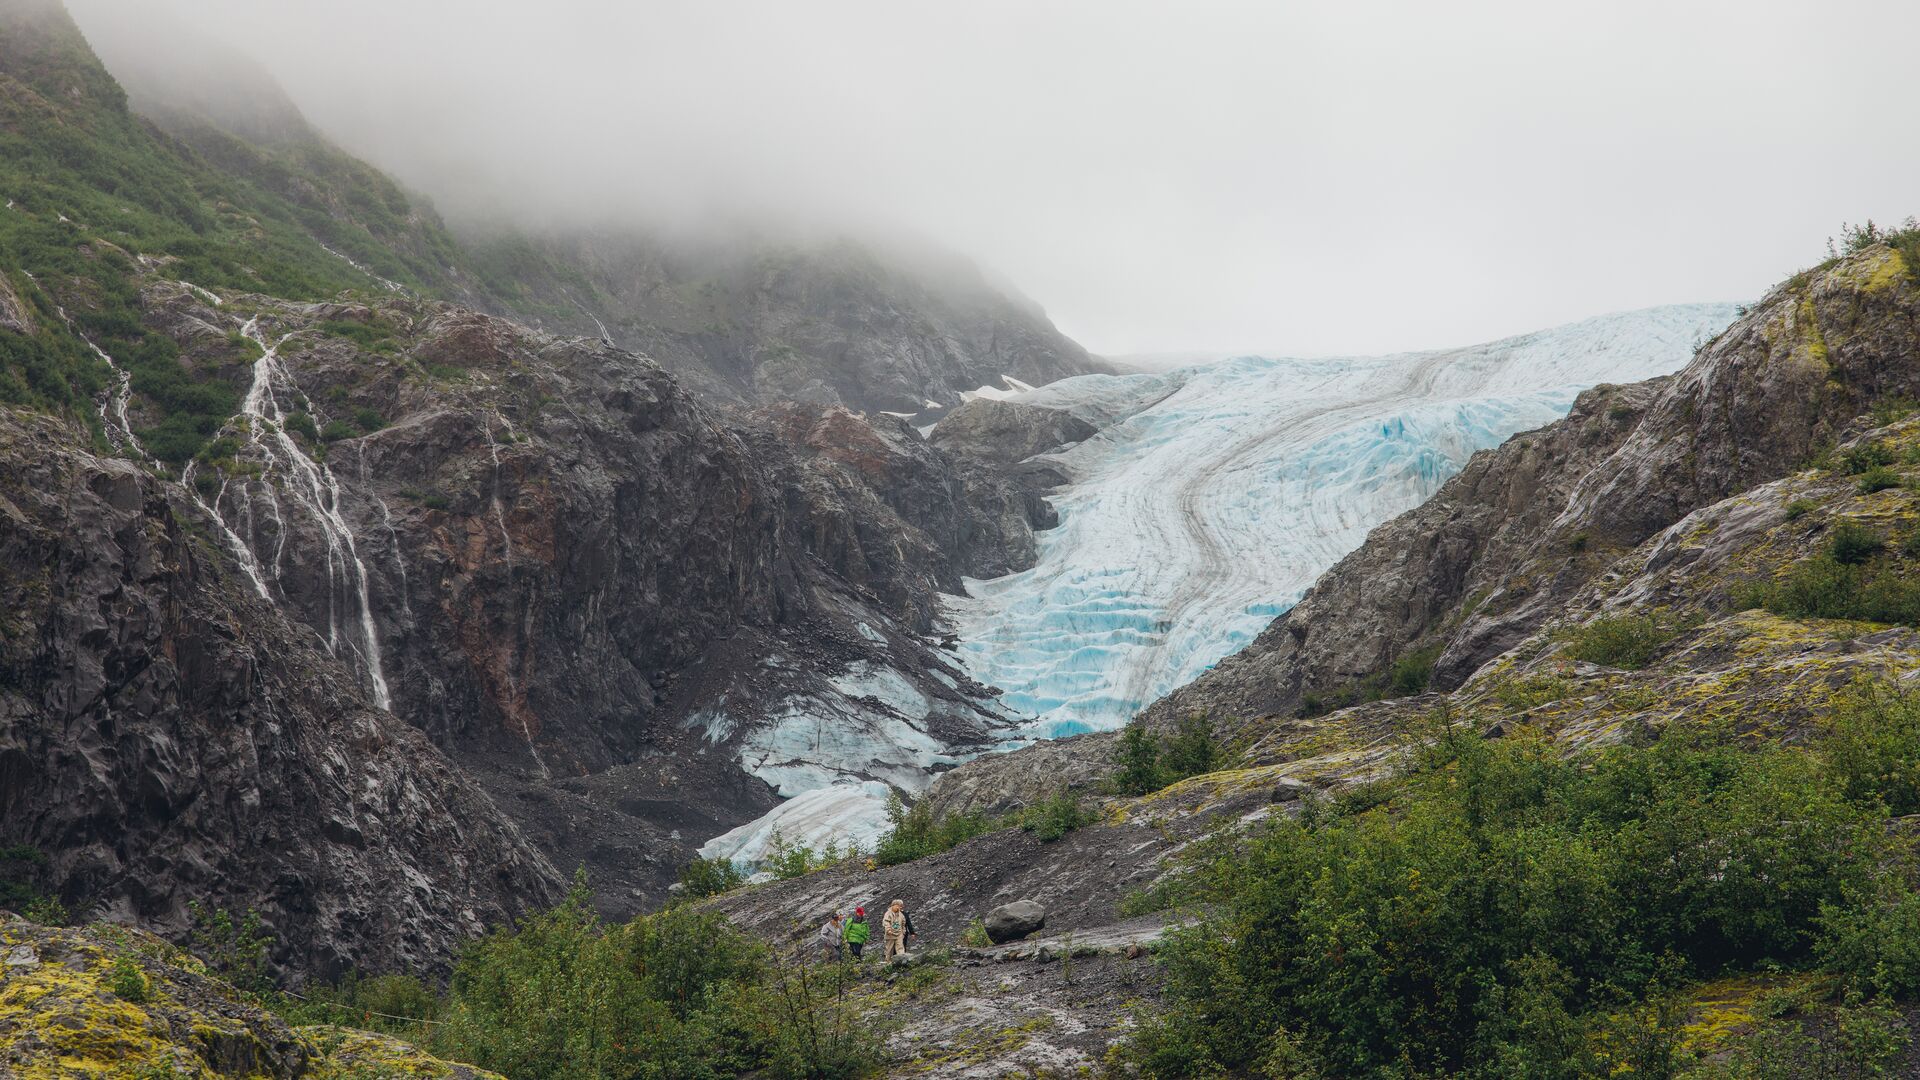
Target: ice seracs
(1215, 495)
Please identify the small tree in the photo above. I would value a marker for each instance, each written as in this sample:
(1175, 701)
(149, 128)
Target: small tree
(1191, 751)
(1137, 768)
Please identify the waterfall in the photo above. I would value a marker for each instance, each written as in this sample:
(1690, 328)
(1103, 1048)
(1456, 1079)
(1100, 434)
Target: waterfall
(604, 336)
(499, 512)
(311, 486)
(113, 406)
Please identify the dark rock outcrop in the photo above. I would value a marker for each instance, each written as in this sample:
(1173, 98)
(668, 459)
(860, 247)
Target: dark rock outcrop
(167, 737)
(1006, 431)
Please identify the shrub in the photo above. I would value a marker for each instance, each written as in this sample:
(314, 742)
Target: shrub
(1857, 1041)
(785, 860)
(369, 420)
(1892, 410)
(916, 833)
(1825, 588)
(1137, 768)
(1873, 747)
(127, 981)
(298, 423)
(1056, 817)
(336, 430)
(1865, 458)
(1508, 906)
(1622, 641)
(1168, 892)
(1799, 508)
(562, 996)
(975, 935)
(236, 948)
(1190, 750)
(1853, 544)
(1145, 763)
(1878, 478)
(395, 1004)
(1412, 672)
(710, 877)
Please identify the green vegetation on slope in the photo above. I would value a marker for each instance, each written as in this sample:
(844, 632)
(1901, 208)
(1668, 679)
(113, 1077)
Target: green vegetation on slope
(1502, 910)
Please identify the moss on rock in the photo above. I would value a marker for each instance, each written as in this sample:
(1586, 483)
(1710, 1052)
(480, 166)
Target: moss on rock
(61, 1018)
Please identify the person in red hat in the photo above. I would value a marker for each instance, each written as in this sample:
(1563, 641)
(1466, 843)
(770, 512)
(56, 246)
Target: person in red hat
(858, 931)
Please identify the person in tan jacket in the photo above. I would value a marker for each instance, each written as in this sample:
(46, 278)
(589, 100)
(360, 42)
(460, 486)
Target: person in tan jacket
(894, 926)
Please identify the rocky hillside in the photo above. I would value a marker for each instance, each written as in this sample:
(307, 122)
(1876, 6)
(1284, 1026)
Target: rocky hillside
(1504, 545)
(1778, 597)
(167, 737)
(627, 621)
(742, 318)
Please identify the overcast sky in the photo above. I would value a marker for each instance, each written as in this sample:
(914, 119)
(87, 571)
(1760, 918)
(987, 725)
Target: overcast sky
(1337, 177)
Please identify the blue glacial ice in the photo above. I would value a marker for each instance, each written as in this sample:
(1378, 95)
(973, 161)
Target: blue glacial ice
(1214, 496)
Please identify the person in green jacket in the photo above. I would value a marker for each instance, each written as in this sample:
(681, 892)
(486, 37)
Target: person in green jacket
(858, 930)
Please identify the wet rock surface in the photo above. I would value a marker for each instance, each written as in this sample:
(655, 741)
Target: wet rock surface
(165, 736)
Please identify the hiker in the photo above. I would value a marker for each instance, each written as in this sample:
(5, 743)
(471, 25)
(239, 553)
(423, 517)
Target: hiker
(894, 925)
(858, 930)
(829, 937)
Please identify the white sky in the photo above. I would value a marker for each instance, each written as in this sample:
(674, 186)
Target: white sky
(1338, 177)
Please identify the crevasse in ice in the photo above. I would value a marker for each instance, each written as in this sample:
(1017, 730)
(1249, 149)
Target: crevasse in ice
(1216, 494)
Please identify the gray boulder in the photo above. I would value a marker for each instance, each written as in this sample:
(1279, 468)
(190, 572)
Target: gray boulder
(1011, 922)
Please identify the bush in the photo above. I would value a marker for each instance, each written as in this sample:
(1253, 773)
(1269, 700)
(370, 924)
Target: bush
(710, 877)
(1878, 478)
(1854, 544)
(1412, 672)
(1824, 587)
(298, 423)
(1865, 458)
(1505, 906)
(1145, 763)
(337, 430)
(1873, 747)
(1622, 641)
(1056, 817)
(562, 996)
(235, 948)
(786, 861)
(1798, 508)
(1190, 750)
(127, 981)
(975, 935)
(1137, 761)
(916, 833)
(399, 1005)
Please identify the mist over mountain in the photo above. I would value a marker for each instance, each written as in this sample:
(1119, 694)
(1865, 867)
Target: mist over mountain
(515, 521)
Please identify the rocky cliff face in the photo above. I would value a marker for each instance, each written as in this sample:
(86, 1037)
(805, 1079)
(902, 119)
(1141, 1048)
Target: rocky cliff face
(589, 589)
(1502, 547)
(168, 737)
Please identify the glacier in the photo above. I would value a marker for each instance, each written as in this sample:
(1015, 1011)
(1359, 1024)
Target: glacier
(1210, 499)
(1214, 495)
